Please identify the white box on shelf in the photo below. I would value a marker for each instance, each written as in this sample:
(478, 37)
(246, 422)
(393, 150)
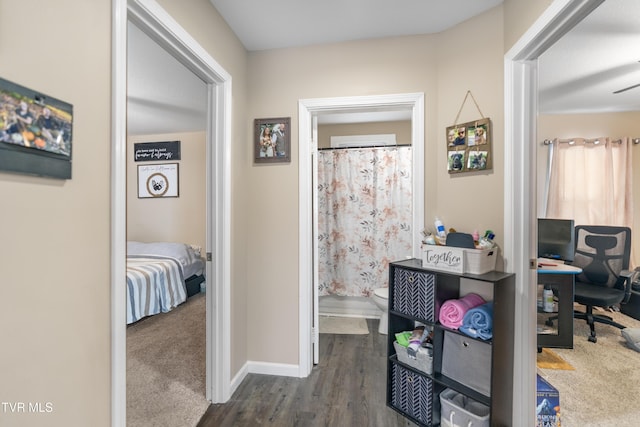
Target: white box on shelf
(459, 260)
(443, 258)
(480, 261)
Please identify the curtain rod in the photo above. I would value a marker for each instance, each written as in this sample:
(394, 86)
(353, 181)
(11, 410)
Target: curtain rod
(635, 141)
(364, 146)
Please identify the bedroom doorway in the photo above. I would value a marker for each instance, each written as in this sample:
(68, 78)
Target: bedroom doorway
(521, 68)
(309, 111)
(155, 21)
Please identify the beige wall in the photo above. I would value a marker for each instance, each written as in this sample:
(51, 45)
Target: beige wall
(277, 80)
(170, 219)
(469, 201)
(55, 247)
(566, 126)
(55, 234)
(429, 64)
(55, 252)
(519, 16)
(402, 130)
(205, 24)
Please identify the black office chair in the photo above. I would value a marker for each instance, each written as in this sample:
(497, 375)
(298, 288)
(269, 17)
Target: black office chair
(603, 253)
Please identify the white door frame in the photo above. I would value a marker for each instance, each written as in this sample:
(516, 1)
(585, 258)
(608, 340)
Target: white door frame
(307, 109)
(520, 186)
(156, 22)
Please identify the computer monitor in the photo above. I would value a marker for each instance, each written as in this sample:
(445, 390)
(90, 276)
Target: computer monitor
(556, 239)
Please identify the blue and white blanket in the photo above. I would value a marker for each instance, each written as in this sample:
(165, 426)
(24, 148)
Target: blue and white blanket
(154, 284)
(478, 322)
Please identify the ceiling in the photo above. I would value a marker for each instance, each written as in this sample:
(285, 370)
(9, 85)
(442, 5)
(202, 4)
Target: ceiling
(163, 96)
(276, 24)
(599, 56)
(577, 75)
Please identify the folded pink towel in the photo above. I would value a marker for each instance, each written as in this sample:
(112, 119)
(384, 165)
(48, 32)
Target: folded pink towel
(452, 311)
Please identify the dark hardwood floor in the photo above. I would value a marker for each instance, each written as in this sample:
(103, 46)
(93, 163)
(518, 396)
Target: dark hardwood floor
(347, 388)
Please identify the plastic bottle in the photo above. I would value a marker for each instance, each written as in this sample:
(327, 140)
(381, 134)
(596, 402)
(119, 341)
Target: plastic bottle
(476, 237)
(440, 231)
(486, 241)
(547, 299)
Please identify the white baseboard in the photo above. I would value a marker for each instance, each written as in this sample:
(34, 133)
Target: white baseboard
(329, 306)
(264, 368)
(238, 378)
(333, 305)
(268, 368)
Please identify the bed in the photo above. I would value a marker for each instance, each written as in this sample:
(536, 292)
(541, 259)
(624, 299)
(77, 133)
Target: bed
(161, 276)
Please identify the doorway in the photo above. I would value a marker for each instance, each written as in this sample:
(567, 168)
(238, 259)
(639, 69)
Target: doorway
(154, 21)
(520, 184)
(309, 110)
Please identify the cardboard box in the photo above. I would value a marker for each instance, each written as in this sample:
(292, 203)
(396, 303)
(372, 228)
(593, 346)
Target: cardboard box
(547, 404)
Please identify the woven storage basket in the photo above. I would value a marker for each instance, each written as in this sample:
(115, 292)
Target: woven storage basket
(423, 361)
(480, 261)
(412, 393)
(457, 410)
(413, 293)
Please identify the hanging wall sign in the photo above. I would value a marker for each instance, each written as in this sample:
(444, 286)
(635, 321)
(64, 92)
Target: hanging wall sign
(156, 151)
(158, 180)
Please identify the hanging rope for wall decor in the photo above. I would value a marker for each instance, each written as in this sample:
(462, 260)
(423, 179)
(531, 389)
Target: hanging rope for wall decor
(462, 106)
(469, 144)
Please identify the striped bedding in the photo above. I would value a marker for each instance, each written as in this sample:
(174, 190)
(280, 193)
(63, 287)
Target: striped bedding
(154, 284)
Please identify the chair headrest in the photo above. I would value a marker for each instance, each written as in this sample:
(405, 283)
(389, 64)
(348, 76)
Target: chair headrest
(601, 242)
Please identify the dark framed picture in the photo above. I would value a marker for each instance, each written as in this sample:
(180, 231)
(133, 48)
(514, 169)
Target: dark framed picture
(156, 181)
(35, 132)
(272, 143)
(469, 146)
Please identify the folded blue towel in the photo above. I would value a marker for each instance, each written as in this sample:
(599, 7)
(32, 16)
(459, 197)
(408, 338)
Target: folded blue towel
(478, 322)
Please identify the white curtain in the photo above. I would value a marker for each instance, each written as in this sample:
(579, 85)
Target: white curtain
(591, 182)
(364, 217)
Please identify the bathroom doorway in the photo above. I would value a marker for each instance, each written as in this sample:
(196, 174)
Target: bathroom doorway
(311, 111)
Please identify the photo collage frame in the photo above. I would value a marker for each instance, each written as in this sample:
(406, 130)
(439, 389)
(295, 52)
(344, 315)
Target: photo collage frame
(469, 147)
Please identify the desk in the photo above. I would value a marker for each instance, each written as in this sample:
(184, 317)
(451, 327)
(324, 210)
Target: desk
(556, 329)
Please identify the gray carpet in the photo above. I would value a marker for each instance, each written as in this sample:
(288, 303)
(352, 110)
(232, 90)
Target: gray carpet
(604, 388)
(166, 367)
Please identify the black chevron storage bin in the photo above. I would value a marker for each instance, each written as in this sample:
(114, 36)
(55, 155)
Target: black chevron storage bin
(412, 394)
(413, 293)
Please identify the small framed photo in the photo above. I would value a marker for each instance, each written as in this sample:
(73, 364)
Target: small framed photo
(272, 143)
(456, 136)
(456, 161)
(156, 181)
(478, 160)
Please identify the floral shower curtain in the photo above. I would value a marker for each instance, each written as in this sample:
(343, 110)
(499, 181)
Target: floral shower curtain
(364, 217)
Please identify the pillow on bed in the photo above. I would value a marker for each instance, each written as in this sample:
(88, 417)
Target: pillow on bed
(180, 251)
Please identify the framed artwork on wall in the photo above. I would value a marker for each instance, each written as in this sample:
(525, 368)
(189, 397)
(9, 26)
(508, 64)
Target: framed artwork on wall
(35, 132)
(158, 180)
(272, 143)
(469, 146)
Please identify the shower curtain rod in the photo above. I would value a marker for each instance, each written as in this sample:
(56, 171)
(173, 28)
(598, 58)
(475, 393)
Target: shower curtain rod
(635, 141)
(364, 146)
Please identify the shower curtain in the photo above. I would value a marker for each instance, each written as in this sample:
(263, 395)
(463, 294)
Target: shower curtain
(364, 217)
